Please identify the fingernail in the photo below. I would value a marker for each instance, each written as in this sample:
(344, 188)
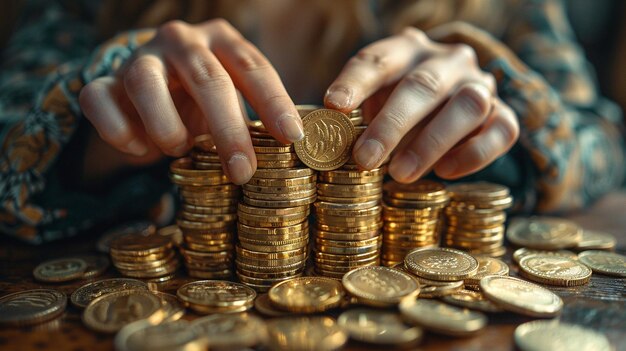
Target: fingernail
(369, 154)
(403, 168)
(137, 148)
(448, 167)
(339, 97)
(291, 127)
(181, 149)
(239, 168)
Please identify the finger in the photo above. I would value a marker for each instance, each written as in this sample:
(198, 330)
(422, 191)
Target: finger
(213, 91)
(373, 104)
(466, 110)
(495, 138)
(146, 86)
(417, 95)
(375, 66)
(258, 81)
(98, 103)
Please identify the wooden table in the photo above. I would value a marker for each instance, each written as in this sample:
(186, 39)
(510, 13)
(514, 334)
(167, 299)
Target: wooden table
(600, 305)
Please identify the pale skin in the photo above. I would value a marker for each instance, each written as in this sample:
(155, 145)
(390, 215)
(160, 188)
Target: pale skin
(428, 104)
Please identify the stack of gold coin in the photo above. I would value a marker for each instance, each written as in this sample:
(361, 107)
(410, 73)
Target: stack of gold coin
(476, 217)
(348, 220)
(209, 211)
(273, 229)
(412, 218)
(148, 257)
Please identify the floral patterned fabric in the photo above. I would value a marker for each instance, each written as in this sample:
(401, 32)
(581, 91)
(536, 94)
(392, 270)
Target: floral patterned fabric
(570, 151)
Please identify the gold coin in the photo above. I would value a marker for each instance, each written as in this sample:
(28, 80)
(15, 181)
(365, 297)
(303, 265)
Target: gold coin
(265, 281)
(603, 262)
(140, 227)
(544, 233)
(263, 305)
(183, 167)
(328, 139)
(280, 220)
(478, 190)
(403, 203)
(96, 264)
(372, 211)
(345, 258)
(431, 291)
(31, 307)
(82, 296)
(207, 166)
(351, 229)
(520, 296)
(321, 267)
(441, 264)
(379, 327)
(307, 294)
(283, 173)
(280, 203)
(350, 250)
(473, 300)
(221, 274)
(523, 252)
(554, 270)
(282, 182)
(205, 143)
(266, 142)
(304, 194)
(171, 306)
(423, 189)
(231, 331)
(595, 240)
(442, 318)
(109, 313)
(274, 150)
(278, 189)
(341, 206)
(346, 236)
(349, 200)
(271, 164)
(347, 243)
(555, 335)
(311, 333)
(206, 210)
(139, 245)
(380, 286)
(283, 156)
(215, 293)
(60, 270)
(347, 180)
(142, 335)
(290, 230)
(487, 266)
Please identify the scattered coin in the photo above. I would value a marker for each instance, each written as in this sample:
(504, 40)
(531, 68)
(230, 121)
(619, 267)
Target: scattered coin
(328, 139)
(263, 305)
(307, 294)
(486, 266)
(172, 308)
(442, 318)
(520, 296)
(379, 327)
(554, 335)
(31, 307)
(442, 264)
(82, 296)
(96, 264)
(603, 262)
(215, 296)
(380, 286)
(143, 336)
(554, 270)
(596, 240)
(523, 252)
(109, 313)
(473, 300)
(60, 270)
(304, 334)
(231, 331)
(544, 233)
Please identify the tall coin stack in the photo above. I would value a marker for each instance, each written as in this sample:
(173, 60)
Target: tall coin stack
(209, 212)
(476, 217)
(412, 215)
(348, 216)
(273, 228)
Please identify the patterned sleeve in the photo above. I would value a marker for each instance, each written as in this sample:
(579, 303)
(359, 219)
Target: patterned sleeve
(44, 65)
(571, 137)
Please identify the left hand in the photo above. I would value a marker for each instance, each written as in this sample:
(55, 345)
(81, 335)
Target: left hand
(429, 102)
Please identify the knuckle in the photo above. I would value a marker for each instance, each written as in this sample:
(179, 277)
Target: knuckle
(475, 104)
(142, 73)
(416, 35)
(490, 81)
(371, 57)
(173, 30)
(203, 71)
(434, 142)
(396, 121)
(424, 82)
(465, 53)
(169, 138)
(89, 94)
(480, 154)
(220, 25)
(250, 60)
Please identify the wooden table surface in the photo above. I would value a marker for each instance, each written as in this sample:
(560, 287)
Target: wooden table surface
(600, 305)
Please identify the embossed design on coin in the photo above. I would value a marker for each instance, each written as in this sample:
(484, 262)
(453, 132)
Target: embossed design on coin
(441, 318)
(604, 262)
(595, 240)
(554, 270)
(380, 286)
(487, 266)
(328, 139)
(544, 233)
(378, 327)
(307, 294)
(31, 306)
(520, 296)
(313, 333)
(60, 270)
(231, 331)
(523, 252)
(441, 264)
(110, 312)
(206, 296)
(82, 296)
(553, 335)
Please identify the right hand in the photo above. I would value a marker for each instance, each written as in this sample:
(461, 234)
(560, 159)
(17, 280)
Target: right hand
(184, 83)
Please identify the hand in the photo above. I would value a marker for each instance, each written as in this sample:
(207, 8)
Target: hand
(428, 101)
(184, 83)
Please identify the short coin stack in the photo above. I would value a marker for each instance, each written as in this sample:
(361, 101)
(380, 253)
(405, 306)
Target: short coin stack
(476, 217)
(209, 211)
(412, 218)
(273, 227)
(148, 257)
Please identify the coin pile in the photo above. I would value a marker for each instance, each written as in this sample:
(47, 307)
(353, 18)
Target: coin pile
(412, 218)
(209, 211)
(149, 257)
(273, 229)
(476, 216)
